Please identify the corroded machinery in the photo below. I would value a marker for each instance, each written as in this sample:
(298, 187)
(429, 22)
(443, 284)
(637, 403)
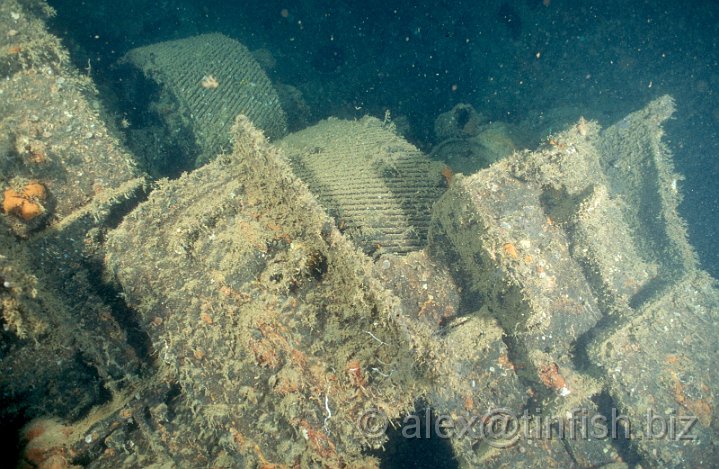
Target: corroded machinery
(379, 188)
(257, 311)
(202, 83)
(577, 250)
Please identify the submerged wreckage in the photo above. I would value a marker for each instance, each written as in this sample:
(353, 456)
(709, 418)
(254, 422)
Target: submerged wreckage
(286, 303)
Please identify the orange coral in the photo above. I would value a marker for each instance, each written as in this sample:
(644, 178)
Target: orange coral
(510, 250)
(354, 369)
(34, 189)
(25, 204)
(505, 362)
(549, 375)
(206, 318)
(448, 175)
(319, 442)
(46, 443)
(468, 403)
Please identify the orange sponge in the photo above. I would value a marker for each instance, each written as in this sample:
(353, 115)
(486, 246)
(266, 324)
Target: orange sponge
(26, 204)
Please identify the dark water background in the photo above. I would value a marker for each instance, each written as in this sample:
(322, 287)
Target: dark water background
(510, 60)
